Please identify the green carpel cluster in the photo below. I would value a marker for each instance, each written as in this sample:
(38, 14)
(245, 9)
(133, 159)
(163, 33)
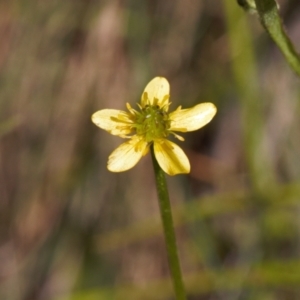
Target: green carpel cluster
(152, 123)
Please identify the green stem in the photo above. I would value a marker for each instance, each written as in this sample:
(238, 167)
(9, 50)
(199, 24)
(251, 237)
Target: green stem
(167, 220)
(270, 19)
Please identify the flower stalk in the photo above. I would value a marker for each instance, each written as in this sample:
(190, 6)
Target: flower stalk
(148, 128)
(169, 233)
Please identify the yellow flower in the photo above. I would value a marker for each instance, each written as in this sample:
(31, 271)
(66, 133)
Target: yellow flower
(151, 126)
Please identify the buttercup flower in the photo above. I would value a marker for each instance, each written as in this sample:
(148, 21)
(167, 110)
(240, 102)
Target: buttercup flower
(151, 126)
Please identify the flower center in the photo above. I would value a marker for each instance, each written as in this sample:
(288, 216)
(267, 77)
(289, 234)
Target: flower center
(152, 123)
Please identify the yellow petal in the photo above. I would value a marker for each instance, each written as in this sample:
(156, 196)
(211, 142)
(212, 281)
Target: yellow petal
(192, 118)
(116, 122)
(157, 92)
(171, 157)
(127, 155)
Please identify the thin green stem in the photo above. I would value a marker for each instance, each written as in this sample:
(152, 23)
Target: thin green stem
(270, 19)
(167, 220)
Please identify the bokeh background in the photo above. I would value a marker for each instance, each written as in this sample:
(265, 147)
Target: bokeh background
(71, 230)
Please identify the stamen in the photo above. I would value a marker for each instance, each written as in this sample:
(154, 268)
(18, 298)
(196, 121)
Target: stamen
(179, 137)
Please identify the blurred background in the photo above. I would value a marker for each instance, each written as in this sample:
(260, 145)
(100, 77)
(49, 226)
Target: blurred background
(70, 229)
